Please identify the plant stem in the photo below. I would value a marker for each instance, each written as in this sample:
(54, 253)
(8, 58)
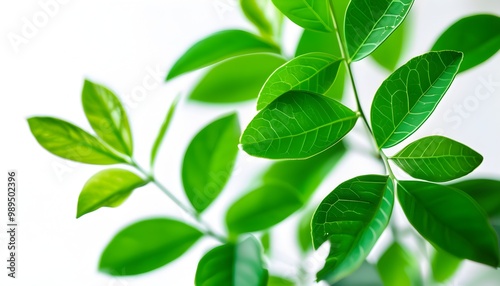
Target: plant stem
(191, 212)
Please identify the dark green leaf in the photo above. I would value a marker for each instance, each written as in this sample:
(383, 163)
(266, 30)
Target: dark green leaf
(297, 125)
(232, 265)
(408, 96)
(369, 22)
(218, 47)
(389, 53)
(309, 14)
(71, 142)
(443, 265)
(147, 245)
(236, 79)
(209, 161)
(304, 231)
(449, 219)
(262, 208)
(485, 192)
(313, 72)
(107, 117)
(437, 159)
(255, 13)
(477, 36)
(398, 267)
(278, 281)
(365, 275)
(163, 131)
(108, 188)
(352, 217)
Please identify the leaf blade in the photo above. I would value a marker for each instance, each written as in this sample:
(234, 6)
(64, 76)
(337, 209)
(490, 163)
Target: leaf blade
(163, 131)
(254, 12)
(443, 265)
(309, 14)
(485, 192)
(398, 267)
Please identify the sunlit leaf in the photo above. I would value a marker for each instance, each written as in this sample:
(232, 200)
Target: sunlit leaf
(449, 219)
(209, 161)
(279, 281)
(147, 245)
(254, 11)
(108, 188)
(309, 14)
(408, 96)
(443, 265)
(297, 125)
(352, 218)
(389, 53)
(398, 267)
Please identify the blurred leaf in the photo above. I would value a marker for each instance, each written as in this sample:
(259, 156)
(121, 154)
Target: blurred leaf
(309, 14)
(70, 142)
(163, 131)
(108, 188)
(437, 159)
(218, 47)
(444, 265)
(369, 22)
(304, 231)
(265, 240)
(313, 72)
(236, 79)
(147, 245)
(365, 275)
(238, 264)
(278, 281)
(297, 125)
(262, 208)
(477, 36)
(209, 161)
(485, 192)
(352, 218)
(254, 11)
(107, 117)
(408, 96)
(398, 267)
(449, 219)
(389, 53)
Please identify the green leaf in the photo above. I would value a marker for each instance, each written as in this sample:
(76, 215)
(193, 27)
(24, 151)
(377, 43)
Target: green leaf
(485, 192)
(108, 188)
(163, 131)
(365, 275)
(70, 142)
(236, 79)
(304, 231)
(309, 14)
(238, 264)
(265, 240)
(279, 281)
(437, 159)
(314, 72)
(297, 125)
(262, 208)
(398, 267)
(369, 22)
(477, 36)
(218, 47)
(254, 12)
(449, 219)
(147, 245)
(209, 161)
(352, 217)
(408, 96)
(107, 117)
(443, 265)
(389, 53)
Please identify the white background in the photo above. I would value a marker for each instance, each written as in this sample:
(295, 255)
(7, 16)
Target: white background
(122, 43)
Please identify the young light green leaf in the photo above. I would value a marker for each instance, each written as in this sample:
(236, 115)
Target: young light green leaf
(477, 36)
(209, 161)
(70, 142)
(309, 14)
(437, 159)
(279, 281)
(108, 188)
(236, 79)
(254, 11)
(265, 240)
(262, 208)
(369, 22)
(313, 72)
(304, 231)
(218, 47)
(408, 96)
(389, 53)
(352, 217)
(297, 125)
(107, 117)
(147, 245)
(443, 265)
(449, 219)
(238, 264)
(163, 131)
(398, 267)
(485, 192)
